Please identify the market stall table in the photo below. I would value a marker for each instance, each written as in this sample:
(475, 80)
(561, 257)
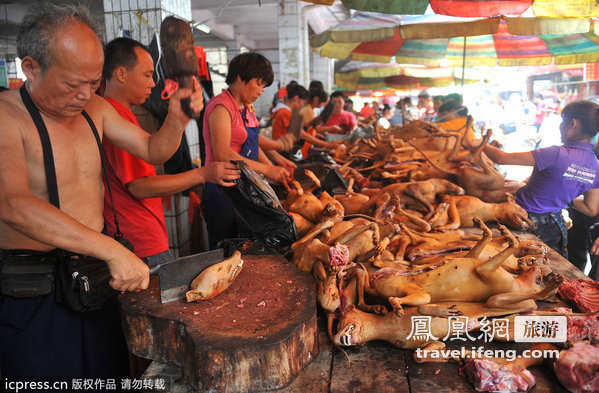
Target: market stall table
(380, 367)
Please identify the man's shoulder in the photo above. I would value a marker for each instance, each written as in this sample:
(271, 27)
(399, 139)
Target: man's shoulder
(11, 106)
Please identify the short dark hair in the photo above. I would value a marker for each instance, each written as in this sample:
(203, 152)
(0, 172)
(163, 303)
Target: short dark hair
(449, 105)
(250, 65)
(587, 112)
(316, 85)
(36, 36)
(456, 97)
(296, 90)
(120, 52)
(337, 93)
(424, 94)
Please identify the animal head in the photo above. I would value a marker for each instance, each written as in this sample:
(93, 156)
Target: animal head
(350, 329)
(338, 255)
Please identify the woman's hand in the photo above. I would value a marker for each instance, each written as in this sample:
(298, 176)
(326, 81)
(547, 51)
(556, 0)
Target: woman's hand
(277, 174)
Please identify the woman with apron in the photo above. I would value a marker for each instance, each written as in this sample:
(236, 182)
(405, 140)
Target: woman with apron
(231, 132)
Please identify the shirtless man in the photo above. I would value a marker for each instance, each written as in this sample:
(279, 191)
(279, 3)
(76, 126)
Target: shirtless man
(62, 58)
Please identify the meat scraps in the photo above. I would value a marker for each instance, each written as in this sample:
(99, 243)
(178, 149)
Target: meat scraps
(578, 368)
(488, 376)
(583, 293)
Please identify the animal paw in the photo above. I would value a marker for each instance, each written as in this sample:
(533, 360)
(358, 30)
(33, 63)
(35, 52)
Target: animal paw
(397, 308)
(553, 280)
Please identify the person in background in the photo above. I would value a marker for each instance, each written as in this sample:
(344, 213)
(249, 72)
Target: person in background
(231, 132)
(448, 111)
(387, 114)
(294, 100)
(403, 112)
(560, 174)
(367, 110)
(317, 98)
(437, 102)
(426, 111)
(128, 70)
(341, 121)
(62, 56)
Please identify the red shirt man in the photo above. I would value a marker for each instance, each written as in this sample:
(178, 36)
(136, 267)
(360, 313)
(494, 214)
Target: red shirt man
(341, 121)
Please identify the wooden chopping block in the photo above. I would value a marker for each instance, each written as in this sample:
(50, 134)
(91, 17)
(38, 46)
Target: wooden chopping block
(257, 335)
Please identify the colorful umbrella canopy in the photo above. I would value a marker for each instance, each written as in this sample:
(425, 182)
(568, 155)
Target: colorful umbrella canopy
(475, 8)
(517, 41)
(370, 76)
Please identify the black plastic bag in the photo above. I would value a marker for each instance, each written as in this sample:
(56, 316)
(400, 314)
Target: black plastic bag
(259, 212)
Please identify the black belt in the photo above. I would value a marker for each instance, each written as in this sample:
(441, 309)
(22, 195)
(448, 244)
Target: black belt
(544, 218)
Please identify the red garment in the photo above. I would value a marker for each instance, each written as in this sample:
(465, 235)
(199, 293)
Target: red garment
(238, 132)
(346, 120)
(140, 221)
(280, 122)
(366, 111)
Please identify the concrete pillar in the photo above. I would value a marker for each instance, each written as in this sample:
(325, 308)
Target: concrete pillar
(291, 43)
(323, 70)
(141, 18)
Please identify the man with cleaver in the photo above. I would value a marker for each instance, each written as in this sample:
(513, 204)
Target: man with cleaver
(62, 57)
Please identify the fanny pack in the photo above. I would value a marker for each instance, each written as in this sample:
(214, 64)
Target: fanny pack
(26, 273)
(80, 282)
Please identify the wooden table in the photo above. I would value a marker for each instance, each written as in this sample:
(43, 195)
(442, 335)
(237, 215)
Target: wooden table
(380, 367)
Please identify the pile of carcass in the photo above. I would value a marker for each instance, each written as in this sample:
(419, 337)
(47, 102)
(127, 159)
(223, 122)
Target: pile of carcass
(409, 239)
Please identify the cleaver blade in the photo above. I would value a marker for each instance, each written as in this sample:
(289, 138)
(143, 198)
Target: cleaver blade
(176, 275)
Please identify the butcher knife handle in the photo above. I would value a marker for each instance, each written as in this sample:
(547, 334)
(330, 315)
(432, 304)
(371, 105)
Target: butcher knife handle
(154, 270)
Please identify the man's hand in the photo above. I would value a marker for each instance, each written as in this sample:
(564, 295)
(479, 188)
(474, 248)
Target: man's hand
(277, 174)
(221, 173)
(196, 103)
(128, 272)
(595, 247)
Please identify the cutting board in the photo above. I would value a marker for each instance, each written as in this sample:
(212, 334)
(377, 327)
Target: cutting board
(257, 335)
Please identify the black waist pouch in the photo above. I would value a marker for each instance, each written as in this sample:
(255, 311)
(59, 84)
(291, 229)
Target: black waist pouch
(26, 275)
(82, 282)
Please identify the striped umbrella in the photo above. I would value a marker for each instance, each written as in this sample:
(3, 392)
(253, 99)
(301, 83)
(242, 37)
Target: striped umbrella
(516, 41)
(369, 76)
(475, 8)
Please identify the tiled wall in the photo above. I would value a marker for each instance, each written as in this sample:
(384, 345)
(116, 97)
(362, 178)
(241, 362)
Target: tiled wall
(182, 239)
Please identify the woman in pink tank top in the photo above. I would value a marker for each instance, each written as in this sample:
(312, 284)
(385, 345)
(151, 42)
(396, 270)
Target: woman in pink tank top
(231, 133)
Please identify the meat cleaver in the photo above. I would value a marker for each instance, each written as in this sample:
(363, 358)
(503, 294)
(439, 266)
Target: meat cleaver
(296, 125)
(176, 275)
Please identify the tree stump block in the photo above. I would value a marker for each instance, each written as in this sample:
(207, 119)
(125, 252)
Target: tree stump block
(257, 335)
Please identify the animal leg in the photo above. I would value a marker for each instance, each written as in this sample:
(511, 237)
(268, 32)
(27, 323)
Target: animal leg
(364, 284)
(487, 236)
(413, 191)
(314, 179)
(487, 269)
(414, 239)
(317, 230)
(404, 242)
(519, 301)
(414, 296)
(453, 218)
(357, 230)
(419, 222)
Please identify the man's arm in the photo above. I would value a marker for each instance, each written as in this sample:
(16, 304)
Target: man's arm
(588, 203)
(503, 158)
(40, 221)
(221, 173)
(220, 136)
(155, 148)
